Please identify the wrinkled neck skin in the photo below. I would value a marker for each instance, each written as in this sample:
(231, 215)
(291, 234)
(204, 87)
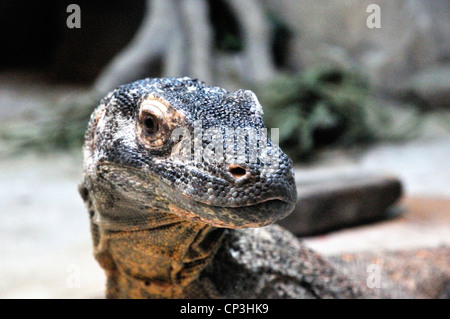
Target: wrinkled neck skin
(162, 258)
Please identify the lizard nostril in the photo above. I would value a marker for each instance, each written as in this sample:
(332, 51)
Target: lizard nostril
(237, 171)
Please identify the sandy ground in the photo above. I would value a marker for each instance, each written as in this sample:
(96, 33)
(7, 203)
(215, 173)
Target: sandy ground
(44, 230)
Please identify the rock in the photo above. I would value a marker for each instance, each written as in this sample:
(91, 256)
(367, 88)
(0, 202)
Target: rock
(414, 35)
(333, 202)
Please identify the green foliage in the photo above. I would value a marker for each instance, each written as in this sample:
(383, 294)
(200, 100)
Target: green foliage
(61, 127)
(319, 107)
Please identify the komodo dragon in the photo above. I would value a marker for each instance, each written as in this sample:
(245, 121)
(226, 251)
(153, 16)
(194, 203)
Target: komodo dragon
(166, 225)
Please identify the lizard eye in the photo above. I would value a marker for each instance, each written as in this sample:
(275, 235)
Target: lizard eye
(150, 124)
(155, 122)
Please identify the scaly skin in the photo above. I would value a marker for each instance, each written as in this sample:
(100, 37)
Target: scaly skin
(169, 224)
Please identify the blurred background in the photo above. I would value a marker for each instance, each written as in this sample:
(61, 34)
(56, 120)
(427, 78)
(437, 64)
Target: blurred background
(364, 113)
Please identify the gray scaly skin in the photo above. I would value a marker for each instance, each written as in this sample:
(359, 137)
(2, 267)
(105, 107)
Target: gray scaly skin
(176, 227)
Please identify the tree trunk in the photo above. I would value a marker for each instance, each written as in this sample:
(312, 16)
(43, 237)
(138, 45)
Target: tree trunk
(148, 45)
(257, 39)
(175, 39)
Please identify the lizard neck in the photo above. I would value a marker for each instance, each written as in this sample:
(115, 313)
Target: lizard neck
(156, 261)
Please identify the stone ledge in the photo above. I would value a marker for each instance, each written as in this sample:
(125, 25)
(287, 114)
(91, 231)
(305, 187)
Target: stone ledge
(337, 201)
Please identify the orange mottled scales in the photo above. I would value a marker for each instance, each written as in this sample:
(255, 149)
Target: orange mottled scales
(148, 263)
(179, 180)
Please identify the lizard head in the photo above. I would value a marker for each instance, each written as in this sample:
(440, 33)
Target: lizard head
(174, 146)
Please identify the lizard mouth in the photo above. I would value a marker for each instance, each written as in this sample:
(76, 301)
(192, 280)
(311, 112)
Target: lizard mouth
(272, 204)
(255, 215)
(258, 215)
